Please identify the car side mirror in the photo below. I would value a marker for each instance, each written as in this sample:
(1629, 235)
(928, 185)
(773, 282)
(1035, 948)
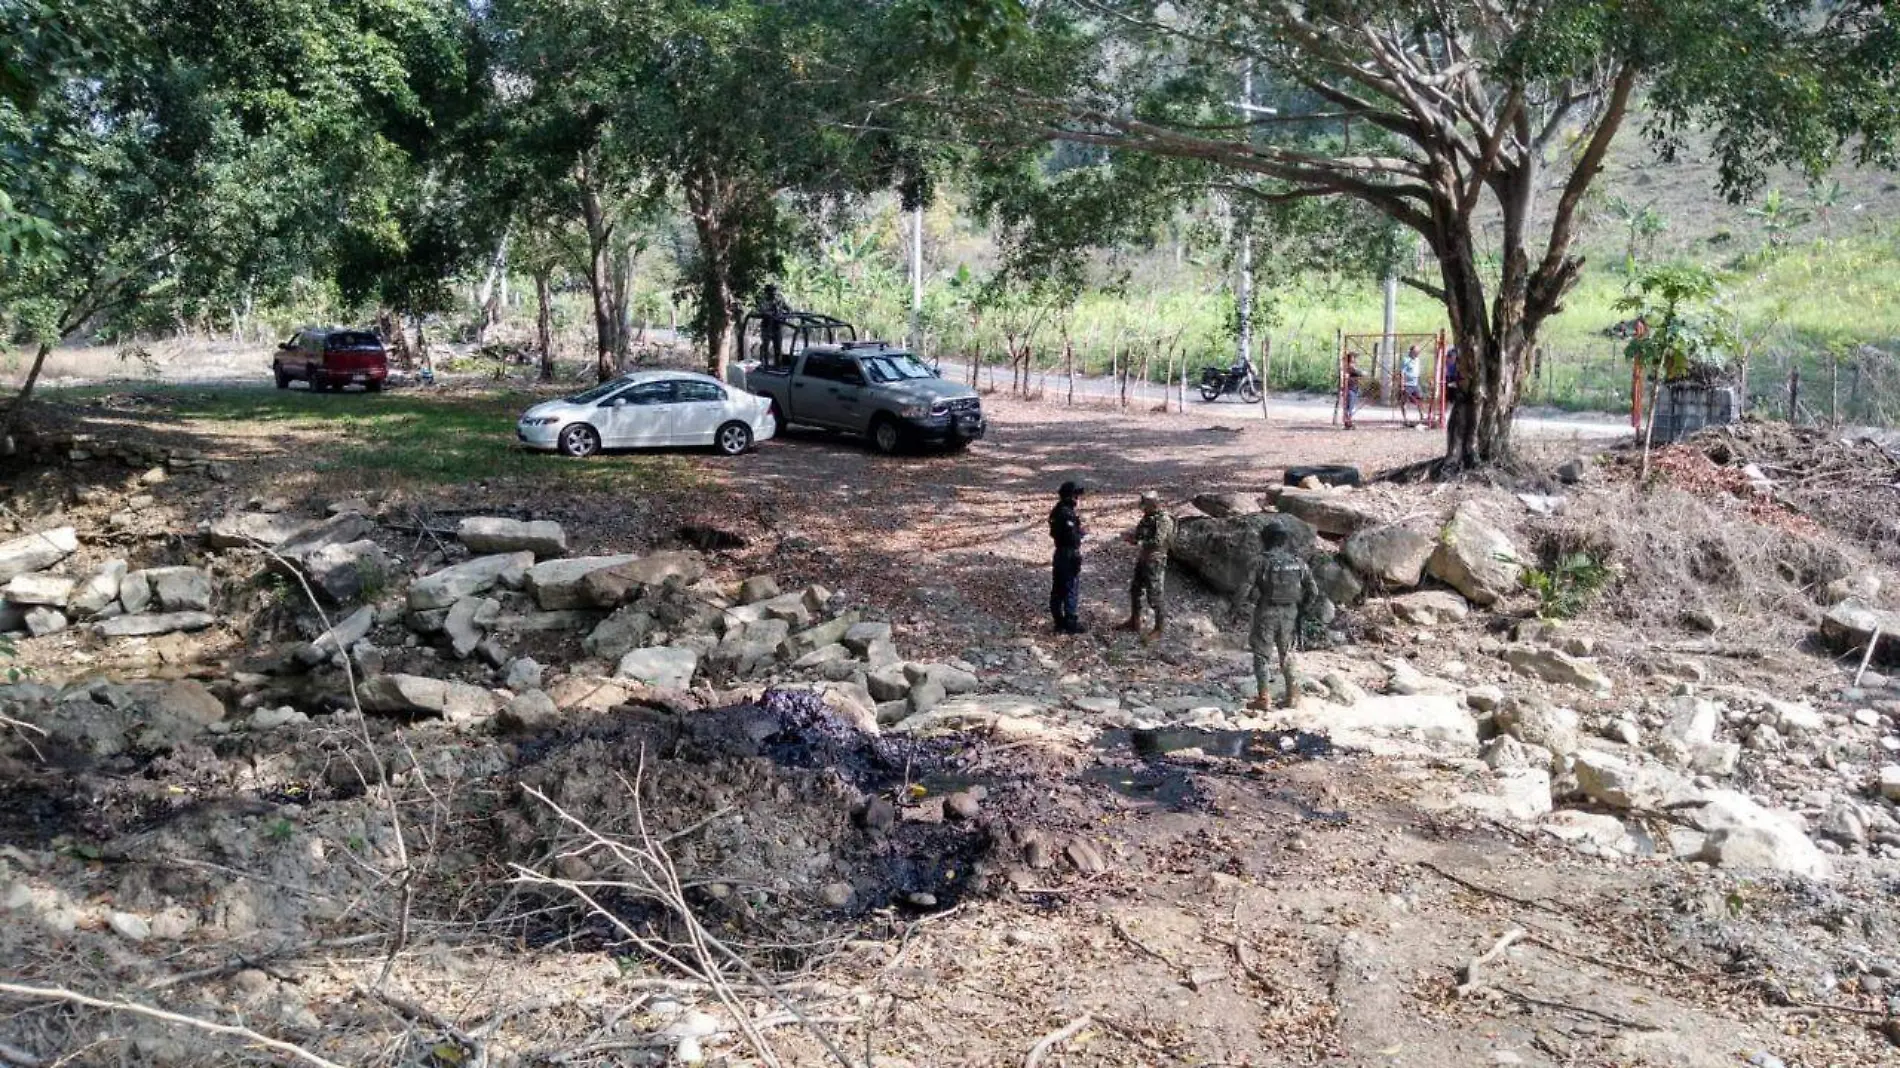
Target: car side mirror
(620, 402)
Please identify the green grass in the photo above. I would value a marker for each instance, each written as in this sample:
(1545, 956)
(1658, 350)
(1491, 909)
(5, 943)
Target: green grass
(416, 437)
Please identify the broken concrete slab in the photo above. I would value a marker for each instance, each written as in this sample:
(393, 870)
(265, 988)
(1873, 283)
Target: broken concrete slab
(248, 530)
(487, 535)
(662, 667)
(1337, 513)
(132, 626)
(470, 578)
(99, 590)
(339, 529)
(558, 584)
(1552, 665)
(1433, 724)
(416, 695)
(617, 585)
(36, 552)
(38, 588)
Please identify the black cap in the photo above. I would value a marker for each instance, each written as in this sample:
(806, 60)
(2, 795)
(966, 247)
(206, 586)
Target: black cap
(1274, 536)
(1071, 489)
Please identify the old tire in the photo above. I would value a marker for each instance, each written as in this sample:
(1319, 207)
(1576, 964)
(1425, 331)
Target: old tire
(1328, 474)
(578, 440)
(732, 438)
(887, 435)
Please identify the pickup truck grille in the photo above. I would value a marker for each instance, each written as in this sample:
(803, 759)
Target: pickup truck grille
(967, 404)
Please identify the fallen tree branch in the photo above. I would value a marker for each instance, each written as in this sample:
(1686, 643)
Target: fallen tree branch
(1577, 1010)
(1867, 657)
(54, 993)
(1469, 976)
(1529, 903)
(1055, 1038)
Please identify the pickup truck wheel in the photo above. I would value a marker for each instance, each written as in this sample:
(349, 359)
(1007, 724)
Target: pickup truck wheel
(733, 439)
(283, 380)
(373, 387)
(310, 375)
(578, 440)
(887, 435)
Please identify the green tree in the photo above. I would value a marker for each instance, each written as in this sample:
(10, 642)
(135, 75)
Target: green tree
(212, 145)
(1681, 336)
(1451, 119)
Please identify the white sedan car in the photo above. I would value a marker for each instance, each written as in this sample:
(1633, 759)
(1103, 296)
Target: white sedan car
(649, 409)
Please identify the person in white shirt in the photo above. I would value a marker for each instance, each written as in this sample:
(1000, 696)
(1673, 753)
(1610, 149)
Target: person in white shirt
(1409, 391)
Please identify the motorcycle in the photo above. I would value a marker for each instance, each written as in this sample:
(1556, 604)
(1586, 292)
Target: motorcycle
(1217, 382)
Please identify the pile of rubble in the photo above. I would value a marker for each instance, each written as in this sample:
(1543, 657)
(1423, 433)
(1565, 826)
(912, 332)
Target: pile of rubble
(1720, 774)
(119, 603)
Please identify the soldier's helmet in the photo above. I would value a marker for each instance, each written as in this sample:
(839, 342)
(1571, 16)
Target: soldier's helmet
(1151, 499)
(1273, 537)
(1069, 491)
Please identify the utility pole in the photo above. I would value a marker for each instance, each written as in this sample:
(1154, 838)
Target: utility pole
(1388, 345)
(916, 339)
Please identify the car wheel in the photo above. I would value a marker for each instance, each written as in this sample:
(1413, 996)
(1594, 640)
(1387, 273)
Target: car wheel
(373, 387)
(579, 440)
(887, 435)
(283, 380)
(733, 439)
(1209, 391)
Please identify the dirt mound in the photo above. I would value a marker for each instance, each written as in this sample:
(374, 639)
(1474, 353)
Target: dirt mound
(1846, 483)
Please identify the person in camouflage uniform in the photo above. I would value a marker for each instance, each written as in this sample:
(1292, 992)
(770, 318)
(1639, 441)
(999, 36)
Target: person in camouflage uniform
(1282, 588)
(1153, 537)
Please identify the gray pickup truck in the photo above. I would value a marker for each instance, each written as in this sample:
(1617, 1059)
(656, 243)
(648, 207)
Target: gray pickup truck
(868, 388)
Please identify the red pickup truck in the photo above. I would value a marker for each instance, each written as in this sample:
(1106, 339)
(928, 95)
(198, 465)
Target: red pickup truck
(332, 359)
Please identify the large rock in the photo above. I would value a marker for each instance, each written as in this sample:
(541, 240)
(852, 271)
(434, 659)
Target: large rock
(1336, 581)
(416, 695)
(1428, 608)
(133, 626)
(342, 634)
(619, 634)
(1476, 559)
(1536, 722)
(1005, 717)
(954, 680)
(529, 711)
(1393, 553)
(173, 589)
(487, 534)
(860, 638)
(1519, 794)
(758, 588)
(1689, 725)
(349, 572)
(467, 579)
(1601, 833)
(830, 632)
(98, 591)
(1223, 505)
(1391, 725)
(1851, 624)
(1630, 784)
(611, 586)
(339, 529)
(1336, 513)
(662, 667)
(1743, 834)
(467, 623)
(1225, 553)
(1552, 665)
(36, 589)
(36, 552)
(248, 530)
(42, 620)
(586, 693)
(558, 584)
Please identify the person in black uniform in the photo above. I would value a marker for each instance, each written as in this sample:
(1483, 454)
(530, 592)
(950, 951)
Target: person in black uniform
(1066, 530)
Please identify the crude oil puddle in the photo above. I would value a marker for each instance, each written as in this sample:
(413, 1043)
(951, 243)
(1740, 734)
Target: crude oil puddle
(1161, 783)
(1240, 745)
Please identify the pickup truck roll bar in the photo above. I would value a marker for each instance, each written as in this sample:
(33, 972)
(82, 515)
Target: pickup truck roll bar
(782, 335)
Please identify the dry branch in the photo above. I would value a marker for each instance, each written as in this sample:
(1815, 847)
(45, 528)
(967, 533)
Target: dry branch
(1055, 1038)
(1469, 981)
(54, 993)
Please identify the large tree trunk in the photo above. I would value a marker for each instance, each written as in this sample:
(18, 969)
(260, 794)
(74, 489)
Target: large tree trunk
(599, 275)
(707, 204)
(17, 409)
(622, 303)
(488, 297)
(544, 322)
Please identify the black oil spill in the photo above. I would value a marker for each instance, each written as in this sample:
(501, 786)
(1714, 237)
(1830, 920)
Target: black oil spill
(1259, 746)
(1164, 783)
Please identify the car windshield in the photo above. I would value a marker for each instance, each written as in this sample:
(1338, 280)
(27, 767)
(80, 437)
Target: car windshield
(896, 367)
(597, 392)
(352, 339)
